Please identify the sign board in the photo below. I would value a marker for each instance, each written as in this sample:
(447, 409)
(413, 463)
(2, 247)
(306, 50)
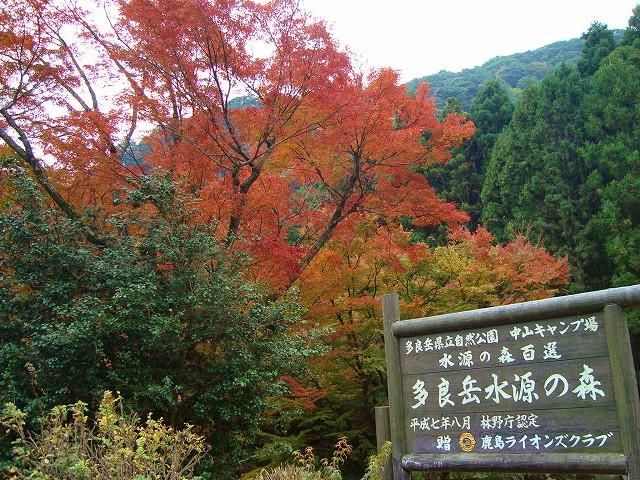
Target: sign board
(544, 386)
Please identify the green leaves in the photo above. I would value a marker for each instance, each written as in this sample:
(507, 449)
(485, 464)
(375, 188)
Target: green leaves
(161, 315)
(564, 172)
(534, 176)
(118, 446)
(599, 41)
(460, 180)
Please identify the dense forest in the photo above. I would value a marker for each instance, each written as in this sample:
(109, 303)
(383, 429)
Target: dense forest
(221, 272)
(558, 166)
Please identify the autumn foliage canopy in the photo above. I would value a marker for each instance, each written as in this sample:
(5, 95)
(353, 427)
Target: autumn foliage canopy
(287, 151)
(317, 143)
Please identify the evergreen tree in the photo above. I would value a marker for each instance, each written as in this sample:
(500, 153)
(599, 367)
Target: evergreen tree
(534, 177)
(491, 112)
(565, 171)
(451, 105)
(632, 33)
(598, 43)
(460, 180)
(612, 150)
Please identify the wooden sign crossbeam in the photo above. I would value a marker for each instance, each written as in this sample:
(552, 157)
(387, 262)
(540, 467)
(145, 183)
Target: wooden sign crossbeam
(542, 386)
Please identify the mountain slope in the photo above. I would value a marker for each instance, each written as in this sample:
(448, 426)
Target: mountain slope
(515, 70)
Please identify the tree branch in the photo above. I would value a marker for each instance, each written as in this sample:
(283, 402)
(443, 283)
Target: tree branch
(26, 154)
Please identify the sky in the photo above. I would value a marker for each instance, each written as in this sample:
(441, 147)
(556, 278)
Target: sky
(421, 37)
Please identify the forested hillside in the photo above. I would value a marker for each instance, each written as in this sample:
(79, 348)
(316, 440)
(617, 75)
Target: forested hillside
(514, 70)
(560, 165)
(566, 168)
(224, 271)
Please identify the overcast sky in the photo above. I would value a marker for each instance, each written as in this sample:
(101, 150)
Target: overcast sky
(420, 37)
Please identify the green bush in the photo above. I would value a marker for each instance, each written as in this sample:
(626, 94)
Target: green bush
(162, 314)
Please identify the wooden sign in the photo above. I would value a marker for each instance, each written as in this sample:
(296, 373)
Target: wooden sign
(544, 386)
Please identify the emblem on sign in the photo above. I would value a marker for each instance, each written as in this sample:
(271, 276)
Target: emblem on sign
(467, 442)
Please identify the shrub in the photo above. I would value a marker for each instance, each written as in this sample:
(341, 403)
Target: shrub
(307, 468)
(162, 313)
(290, 472)
(119, 447)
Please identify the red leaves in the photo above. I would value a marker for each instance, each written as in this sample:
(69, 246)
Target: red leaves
(302, 396)
(319, 145)
(533, 273)
(404, 192)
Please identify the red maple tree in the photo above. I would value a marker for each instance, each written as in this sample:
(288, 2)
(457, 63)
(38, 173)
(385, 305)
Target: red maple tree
(314, 143)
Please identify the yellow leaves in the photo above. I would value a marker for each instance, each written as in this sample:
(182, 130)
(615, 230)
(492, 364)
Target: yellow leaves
(484, 274)
(107, 417)
(343, 286)
(452, 259)
(204, 348)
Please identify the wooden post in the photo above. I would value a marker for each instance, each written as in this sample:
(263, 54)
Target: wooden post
(383, 435)
(624, 385)
(391, 314)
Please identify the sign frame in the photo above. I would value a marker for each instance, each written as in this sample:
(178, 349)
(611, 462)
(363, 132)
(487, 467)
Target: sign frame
(611, 302)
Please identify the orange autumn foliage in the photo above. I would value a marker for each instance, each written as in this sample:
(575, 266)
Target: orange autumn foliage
(344, 285)
(316, 144)
(293, 155)
(359, 266)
